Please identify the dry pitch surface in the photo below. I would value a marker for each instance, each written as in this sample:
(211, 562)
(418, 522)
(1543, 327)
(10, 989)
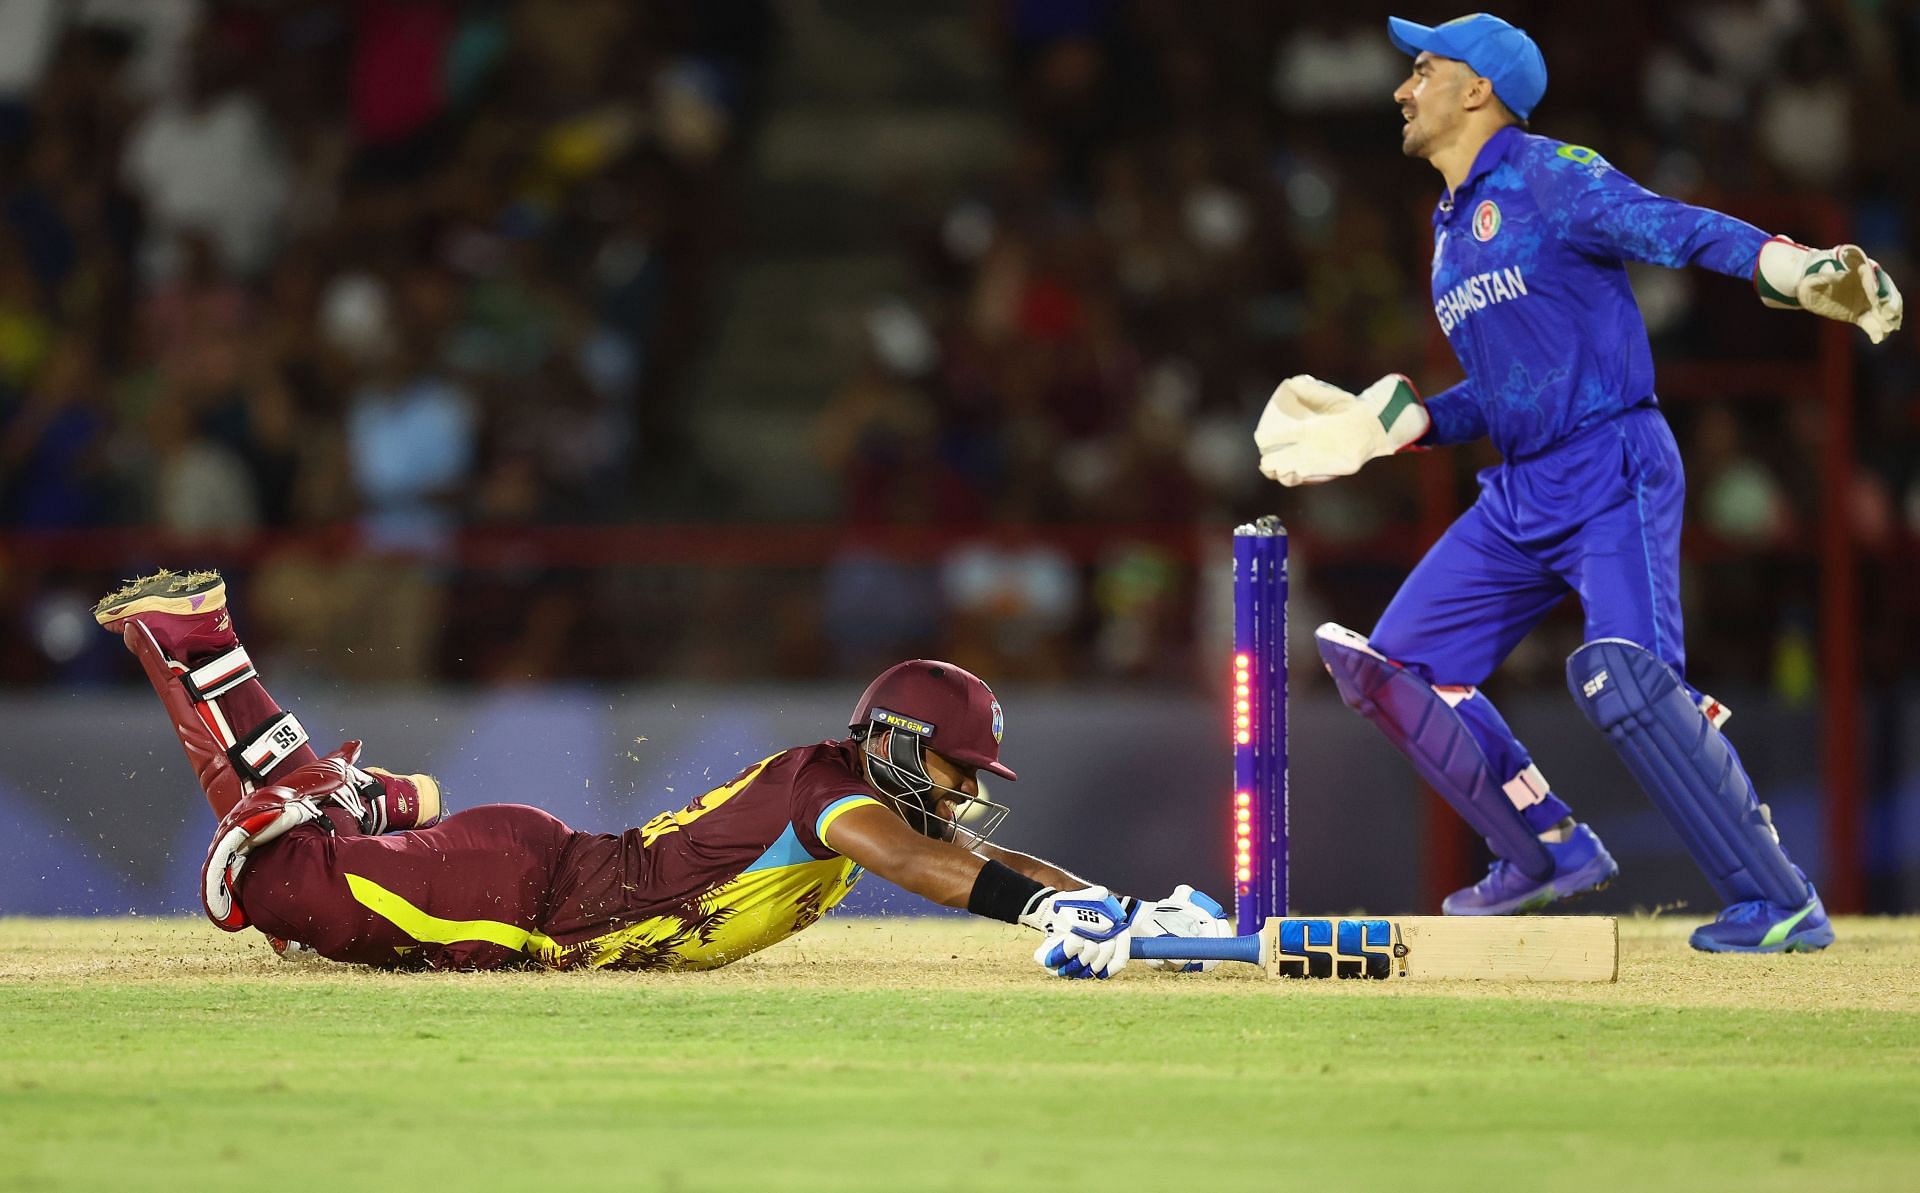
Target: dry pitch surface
(906, 1053)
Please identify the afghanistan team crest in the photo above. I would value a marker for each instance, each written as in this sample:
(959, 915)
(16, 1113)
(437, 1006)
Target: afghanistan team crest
(1486, 220)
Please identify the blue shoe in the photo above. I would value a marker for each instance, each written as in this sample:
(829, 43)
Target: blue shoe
(1758, 926)
(1580, 864)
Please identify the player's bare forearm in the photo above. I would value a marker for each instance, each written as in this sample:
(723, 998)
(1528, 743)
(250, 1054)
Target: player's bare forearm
(1043, 872)
(878, 839)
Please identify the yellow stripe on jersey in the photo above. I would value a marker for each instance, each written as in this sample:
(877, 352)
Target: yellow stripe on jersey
(833, 811)
(431, 929)
(742, 915)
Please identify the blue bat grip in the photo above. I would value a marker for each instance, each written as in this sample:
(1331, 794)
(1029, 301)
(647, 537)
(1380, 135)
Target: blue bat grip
(1196, 948)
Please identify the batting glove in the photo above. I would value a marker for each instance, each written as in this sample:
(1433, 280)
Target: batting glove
(1186, 912)
(1312, 432)
(1087, 932)
(1840, 283)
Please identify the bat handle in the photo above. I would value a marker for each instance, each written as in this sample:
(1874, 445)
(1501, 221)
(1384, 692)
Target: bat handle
(1196, 948)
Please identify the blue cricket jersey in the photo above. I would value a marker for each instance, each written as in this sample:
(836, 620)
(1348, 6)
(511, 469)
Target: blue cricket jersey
(1530, 287)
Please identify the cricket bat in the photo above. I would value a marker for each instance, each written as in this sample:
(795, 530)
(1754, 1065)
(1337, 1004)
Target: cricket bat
(1415, 948)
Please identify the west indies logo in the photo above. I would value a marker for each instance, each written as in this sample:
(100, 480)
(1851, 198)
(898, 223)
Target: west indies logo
(1486, 220)
(999, 722)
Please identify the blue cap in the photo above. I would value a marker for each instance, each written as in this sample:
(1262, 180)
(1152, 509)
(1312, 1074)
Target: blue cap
(1498, 52)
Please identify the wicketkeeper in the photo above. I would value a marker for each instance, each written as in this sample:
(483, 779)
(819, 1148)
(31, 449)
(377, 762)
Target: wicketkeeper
(360, 864)
(1530, 287)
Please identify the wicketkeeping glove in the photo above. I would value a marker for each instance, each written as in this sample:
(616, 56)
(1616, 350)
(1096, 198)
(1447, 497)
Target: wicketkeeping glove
(1186, 912)
(1840, 283)
(1312, 432)
(1087, 932)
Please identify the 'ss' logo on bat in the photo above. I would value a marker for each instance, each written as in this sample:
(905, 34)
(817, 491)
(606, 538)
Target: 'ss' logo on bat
(1339, 949)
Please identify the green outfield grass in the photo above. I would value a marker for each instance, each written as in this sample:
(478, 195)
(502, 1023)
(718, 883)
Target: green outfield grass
(910, 1054)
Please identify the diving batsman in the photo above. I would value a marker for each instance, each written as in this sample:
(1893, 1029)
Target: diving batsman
(1530, 242)
(362, 865)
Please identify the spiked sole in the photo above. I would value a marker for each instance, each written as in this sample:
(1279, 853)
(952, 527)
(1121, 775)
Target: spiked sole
(184, 593)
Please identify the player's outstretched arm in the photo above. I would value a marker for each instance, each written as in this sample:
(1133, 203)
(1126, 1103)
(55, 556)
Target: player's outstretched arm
(877, 838)
(1608, 213)
(1087, 930)
(1087, 927)
(1312, 432)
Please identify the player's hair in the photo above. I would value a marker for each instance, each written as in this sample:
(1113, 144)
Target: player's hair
(1512, 116)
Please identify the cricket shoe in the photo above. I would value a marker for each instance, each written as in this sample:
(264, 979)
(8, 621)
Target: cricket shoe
(186, 612)
(236, 738)
(1757, 926)
(1580, 864)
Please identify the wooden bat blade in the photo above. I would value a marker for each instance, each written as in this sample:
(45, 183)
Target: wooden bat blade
(1441, 948)
(1562, 948)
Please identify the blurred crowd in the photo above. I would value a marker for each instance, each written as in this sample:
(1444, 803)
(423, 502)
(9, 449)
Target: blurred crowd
(411, 267)
(402, 265)
(408, 261)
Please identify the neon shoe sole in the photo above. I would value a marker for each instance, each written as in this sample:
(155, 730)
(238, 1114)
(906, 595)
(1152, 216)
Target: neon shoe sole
(1786, 936)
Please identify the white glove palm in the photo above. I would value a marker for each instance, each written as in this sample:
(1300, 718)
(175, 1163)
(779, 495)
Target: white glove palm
(1312, 432)
(1087, 932)
(1840, 283)
(1186, 912)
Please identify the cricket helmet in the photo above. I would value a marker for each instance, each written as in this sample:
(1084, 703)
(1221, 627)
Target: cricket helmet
(921, 705)
(946, 707)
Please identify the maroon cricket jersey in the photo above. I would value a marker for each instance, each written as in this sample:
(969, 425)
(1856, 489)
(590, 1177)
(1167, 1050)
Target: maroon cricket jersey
(741, 867)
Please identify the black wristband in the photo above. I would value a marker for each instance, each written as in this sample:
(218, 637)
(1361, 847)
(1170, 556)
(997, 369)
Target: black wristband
(1002, 893)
